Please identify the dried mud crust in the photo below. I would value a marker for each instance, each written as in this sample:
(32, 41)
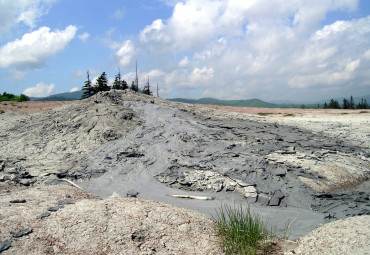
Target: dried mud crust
(85, 224)
(349, 236)
(51, 142)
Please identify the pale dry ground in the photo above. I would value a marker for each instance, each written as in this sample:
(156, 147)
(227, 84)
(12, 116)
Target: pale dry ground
(30, 107)
(94, 226)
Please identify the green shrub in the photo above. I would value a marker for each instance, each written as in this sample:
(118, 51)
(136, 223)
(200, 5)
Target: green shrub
(364, 112)
(1, 111)
(264, 113)
(240, 232)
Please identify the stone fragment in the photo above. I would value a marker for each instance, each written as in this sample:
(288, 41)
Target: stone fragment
(21, 233)
(280, 171)
(43, 215)
(132, 193)
(65, 202)
(250, 192)
(55, 208)
(276, 198)
(18, 201)
(5, 245)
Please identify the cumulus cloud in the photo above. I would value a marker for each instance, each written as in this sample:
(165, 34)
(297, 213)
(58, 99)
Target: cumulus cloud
(125, 52)
(22, 11)
(40, 90)
(242, 49)
(83, 37)
(74, 89)
(35, 47)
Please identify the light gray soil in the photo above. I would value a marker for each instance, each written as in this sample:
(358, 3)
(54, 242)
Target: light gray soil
(128, 143)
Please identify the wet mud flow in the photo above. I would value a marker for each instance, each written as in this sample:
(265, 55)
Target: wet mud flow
(174, 152)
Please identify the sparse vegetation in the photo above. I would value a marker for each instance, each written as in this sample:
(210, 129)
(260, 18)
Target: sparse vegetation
(265, 113)
(11, 97)
(364, 112)
(240, 232)
(289, 115)
(1, 111)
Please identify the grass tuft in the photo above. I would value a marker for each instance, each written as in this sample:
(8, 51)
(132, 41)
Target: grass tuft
(264, 113)
(241, 232)
(289, 115)
(1, 111)
(364, 112)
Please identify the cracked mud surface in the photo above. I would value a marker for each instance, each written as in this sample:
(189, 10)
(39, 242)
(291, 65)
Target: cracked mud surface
(122, 142)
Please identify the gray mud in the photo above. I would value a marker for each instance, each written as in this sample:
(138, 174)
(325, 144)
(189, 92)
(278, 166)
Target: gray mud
(119, 142)
(225, 159)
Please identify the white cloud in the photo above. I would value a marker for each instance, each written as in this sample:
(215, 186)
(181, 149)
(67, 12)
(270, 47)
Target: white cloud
(259, 48)
(34, 48)
(125, 52)
(74, 89)
(118, 14)
(83, 37)
(184, 62)
(22, 11)
(40, 90)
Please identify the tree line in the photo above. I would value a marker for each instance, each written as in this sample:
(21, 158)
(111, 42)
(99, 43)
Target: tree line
(119, 83)
(11, 97)
(347, 104)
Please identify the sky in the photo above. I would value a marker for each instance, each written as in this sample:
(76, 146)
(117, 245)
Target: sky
(274, 50)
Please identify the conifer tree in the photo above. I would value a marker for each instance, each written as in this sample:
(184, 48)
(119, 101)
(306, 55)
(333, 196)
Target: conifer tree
(134, 87)
(102, 83)
(117, 84)
(88, 89)
(146, 89)
(351, 103)
(345, 104)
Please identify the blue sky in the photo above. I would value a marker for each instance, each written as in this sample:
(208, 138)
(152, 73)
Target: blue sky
(238, 49)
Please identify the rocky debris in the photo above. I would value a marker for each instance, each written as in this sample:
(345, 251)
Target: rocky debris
(5, 245)
(21, 233)
(132, 193)
(55, 208)
(43, 215)
(65, 202)
(18, 201)
(276, 198)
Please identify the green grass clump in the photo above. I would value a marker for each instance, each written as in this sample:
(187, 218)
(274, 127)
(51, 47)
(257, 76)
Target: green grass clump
(344, 113)
(240, 232)
(289, 115)
(264, 113)
(364, 112)
(1, 111)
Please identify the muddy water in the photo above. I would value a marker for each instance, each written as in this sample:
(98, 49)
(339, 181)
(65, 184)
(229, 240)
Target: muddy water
(171, 142)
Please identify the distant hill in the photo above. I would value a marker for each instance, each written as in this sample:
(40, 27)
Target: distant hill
(68, 96)
(236, 103)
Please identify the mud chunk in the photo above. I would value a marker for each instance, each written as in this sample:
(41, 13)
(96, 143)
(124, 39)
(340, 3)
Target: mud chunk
(5, 245)
(132, 193)
(18, 201)
(21, 233)
(55, 208)
(43, 215)
(276, 198)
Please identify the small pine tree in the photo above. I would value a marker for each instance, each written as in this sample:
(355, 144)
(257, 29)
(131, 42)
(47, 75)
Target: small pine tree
(102, 83)
(345, 104)
(134, 87)
(333, 104)
(325, 106)
(351, 103)
(146, 89)
(119, 83)
(88, 89)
